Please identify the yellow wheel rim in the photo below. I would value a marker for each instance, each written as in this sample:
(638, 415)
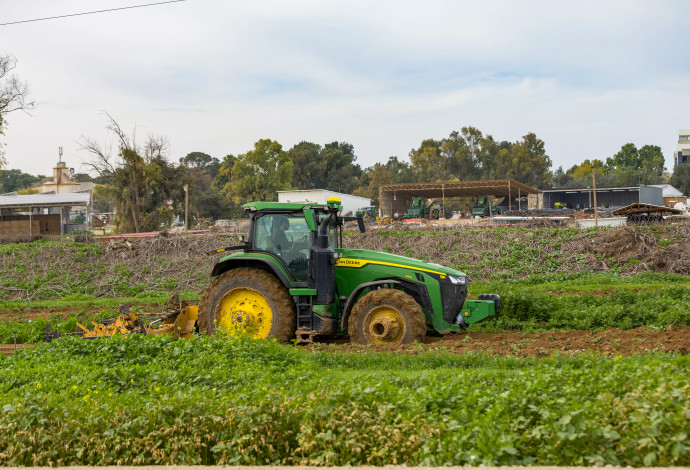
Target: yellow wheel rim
(385, 325)
(244, 310)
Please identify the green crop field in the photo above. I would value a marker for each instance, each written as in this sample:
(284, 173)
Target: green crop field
(153, 400)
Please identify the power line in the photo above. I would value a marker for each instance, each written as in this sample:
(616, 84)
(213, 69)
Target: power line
(92, 12)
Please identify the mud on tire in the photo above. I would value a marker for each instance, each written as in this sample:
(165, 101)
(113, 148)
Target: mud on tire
(406, 307)
(275, 293)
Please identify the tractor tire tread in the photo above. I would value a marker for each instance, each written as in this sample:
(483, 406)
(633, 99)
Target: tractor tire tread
(396, 298)
(258, 279)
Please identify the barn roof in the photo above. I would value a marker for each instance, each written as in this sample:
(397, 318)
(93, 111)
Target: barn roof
(498, 188)
(44, 200)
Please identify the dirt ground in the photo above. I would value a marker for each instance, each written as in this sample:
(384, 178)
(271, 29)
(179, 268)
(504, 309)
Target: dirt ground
(8, 349)
(612, 342)
(21, 314)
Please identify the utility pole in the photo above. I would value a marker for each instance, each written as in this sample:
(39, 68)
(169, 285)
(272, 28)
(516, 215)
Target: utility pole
(594, 187)
(491, 212)
(186, 204)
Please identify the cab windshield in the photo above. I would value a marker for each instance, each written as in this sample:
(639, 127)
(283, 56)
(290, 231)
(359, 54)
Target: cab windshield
(288, 237)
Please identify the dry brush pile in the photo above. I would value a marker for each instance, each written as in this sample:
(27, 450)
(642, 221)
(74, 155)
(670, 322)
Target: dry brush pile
(116, 268)
(521, 252)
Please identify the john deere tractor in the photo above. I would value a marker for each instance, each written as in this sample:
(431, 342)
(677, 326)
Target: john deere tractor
(292, 277)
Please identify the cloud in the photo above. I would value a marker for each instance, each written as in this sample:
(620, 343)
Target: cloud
(586, 77)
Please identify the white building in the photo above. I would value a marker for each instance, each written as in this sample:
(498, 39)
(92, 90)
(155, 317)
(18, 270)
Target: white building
(62, 182)
(683, 147)
(667, 190)
(349, 202)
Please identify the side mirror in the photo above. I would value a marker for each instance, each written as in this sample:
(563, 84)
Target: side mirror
(360, 222)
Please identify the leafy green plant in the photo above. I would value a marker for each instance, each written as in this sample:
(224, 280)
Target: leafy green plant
(154, 400)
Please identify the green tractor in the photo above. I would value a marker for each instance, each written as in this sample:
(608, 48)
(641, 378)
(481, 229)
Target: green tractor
(421, 208)
(484, 207)
(293, 277)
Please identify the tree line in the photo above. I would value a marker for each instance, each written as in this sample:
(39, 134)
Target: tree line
(146, 189)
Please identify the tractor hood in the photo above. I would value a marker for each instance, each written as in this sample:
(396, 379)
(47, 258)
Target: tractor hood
(357, 258)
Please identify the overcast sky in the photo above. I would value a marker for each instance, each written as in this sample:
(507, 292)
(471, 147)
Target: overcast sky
(216, 76)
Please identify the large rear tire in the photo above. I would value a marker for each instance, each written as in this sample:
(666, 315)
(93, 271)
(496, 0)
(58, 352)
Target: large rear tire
(386, 316)
(248, 300)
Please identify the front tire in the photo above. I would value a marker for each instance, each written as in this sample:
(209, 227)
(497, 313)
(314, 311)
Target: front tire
(386, 316)
(248, 300)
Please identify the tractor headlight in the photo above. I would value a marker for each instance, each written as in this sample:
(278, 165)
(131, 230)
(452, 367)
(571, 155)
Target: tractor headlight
(461, 280)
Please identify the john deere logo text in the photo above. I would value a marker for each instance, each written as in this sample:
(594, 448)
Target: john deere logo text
(353, 263)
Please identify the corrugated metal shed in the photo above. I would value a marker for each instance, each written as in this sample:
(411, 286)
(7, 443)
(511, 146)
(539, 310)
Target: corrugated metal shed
(44, 200)
(606, 197)
(396, 197)
(668, 190)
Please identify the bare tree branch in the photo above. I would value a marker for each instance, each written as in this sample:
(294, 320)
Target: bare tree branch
(157, 146)
(114, 127)
(14, 93)
(100, 157)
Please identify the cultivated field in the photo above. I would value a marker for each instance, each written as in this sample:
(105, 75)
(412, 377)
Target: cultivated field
(586, 364)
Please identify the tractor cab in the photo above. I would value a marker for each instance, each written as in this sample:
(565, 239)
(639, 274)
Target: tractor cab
(290, 232)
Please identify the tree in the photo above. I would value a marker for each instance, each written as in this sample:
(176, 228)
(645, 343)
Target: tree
(342, 173)
(681, 177)
(584, 170)
(630, 166)
(142, 180)
(429, 163)
(224, 172)
(196, 160)
(258, 174)
(14, 180)
(626, 157)
(104, 198)
(14, 96)
(651, 164)
(202, 161)
(309, 167)
(207, 176)
(561, 179)
(530, 164)
(465, 153)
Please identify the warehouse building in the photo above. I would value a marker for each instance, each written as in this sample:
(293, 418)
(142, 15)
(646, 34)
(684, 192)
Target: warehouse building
(583, 198)
(43, 214)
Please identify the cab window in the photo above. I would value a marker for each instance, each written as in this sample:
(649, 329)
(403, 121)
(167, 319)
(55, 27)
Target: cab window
(288, 237)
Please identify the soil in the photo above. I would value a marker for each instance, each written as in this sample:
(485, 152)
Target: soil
(8, 349)
(611, 342)
(21, 314)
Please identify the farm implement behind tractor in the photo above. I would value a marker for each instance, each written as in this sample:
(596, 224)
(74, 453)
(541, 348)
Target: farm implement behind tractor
(181, 323)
